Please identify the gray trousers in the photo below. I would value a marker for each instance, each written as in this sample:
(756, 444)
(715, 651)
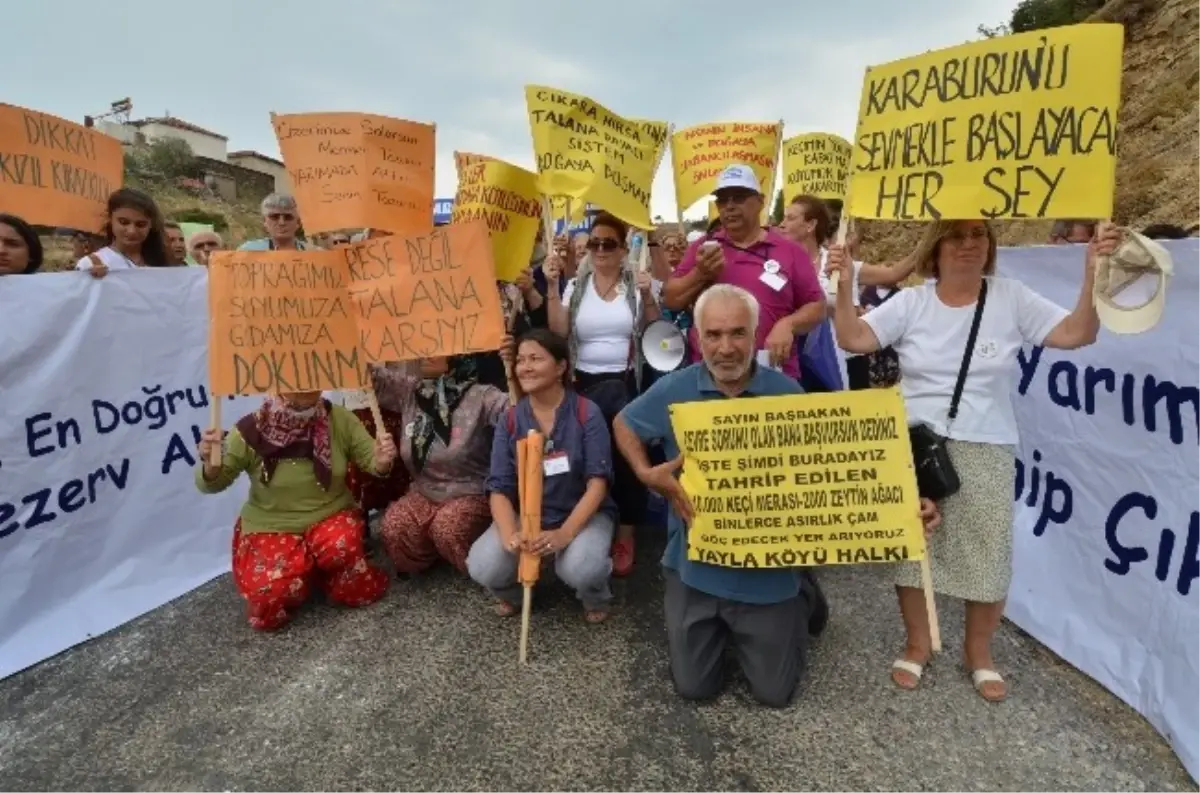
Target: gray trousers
(584, 565)
(769, 641)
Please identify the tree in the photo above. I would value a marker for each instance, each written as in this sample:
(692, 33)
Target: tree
(170, 157)
(1041, 14)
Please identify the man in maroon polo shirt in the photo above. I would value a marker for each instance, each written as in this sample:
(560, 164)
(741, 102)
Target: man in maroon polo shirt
(768, 265)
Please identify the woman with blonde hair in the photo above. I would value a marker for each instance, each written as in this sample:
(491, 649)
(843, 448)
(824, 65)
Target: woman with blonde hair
(957, 339)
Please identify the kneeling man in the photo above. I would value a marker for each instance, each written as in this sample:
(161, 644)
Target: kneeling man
(767, 615)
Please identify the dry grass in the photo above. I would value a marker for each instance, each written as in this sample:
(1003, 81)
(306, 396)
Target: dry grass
(1158, 162)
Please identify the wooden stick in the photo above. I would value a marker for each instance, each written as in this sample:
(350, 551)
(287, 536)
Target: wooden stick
(376, 414)
(526, 611)
(935, 633)
(214, 420)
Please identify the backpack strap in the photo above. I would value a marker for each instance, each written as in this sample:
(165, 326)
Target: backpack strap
(510, 420)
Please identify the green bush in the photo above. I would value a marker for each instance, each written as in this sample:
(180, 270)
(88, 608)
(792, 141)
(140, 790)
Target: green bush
(197, 215)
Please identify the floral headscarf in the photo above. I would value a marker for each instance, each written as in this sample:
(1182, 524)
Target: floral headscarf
(437, 397)
(277, 431)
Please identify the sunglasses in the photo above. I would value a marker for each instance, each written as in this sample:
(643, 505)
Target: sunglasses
(733, 197)
(281, 217)
(607, 245)
(339, 241)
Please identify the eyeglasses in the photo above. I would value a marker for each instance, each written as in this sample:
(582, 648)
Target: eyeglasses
(729, 196)
(958, 236)
(281, 217)
(602, 244)
(339, 241)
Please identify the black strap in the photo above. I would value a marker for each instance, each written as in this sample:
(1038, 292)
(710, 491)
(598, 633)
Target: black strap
(966, 361)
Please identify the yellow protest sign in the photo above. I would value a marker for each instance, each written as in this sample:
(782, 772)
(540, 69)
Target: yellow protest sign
(589, 153)
(506, 198)
(1020, 126)
(808, 479)
(815, 164)
(700, 153)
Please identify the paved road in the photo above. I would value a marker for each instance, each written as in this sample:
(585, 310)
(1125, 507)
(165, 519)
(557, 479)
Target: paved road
(421, 691)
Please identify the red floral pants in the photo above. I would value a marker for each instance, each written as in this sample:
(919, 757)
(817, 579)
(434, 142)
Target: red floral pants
(275, 572)
(416, 532)
(372, 492)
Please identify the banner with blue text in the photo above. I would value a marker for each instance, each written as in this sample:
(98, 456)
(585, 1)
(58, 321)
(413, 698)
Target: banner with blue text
(1107, 484)
(105, 396)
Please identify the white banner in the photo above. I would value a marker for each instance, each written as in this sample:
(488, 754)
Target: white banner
(104, 397)
(1106, 494)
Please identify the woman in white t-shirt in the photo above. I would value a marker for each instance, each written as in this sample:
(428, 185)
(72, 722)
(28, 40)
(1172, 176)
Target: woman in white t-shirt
(133, 233)
(928, 326)
(602, 313)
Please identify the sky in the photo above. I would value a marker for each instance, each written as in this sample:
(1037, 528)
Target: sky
(225, 65)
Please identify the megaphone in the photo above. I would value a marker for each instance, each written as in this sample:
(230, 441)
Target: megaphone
(663, 345)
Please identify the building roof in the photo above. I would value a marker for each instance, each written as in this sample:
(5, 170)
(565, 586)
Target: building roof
(171, 121)
(250, 153)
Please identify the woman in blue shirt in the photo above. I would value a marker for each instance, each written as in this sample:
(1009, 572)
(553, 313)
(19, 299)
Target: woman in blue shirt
(578, 515)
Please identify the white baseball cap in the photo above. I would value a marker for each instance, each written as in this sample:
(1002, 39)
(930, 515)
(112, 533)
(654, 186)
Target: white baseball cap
(740, 176)
(1131, 285)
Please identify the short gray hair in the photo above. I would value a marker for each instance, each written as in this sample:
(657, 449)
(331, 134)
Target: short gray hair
(726, 293)
(280, 202)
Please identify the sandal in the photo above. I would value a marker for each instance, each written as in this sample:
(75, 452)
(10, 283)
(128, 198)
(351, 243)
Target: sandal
(911, 668)
(505, 609)
(595, 616)
(981, 677)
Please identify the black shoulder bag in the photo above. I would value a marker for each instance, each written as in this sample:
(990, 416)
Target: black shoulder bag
(936, 477)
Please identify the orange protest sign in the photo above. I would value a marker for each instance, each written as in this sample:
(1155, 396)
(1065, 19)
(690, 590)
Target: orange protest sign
(281, 322)
(54, 172)
(425, 295)
(352, 170)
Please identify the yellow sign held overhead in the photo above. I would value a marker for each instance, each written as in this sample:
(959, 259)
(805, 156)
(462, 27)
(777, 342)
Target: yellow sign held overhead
(700, 153)
(1020, 126)
(589, 153)
(816, 164)
(506, 198)
(794, 481)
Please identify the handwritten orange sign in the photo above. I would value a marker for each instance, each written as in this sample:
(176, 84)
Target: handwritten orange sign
(425, 295)
(281, 322)
(352, 170)
(54, 172)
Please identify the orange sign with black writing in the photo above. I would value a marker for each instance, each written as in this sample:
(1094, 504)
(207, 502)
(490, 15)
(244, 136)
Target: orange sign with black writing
(54, 172)
(356, 170)
(281, 322)
(426, 295)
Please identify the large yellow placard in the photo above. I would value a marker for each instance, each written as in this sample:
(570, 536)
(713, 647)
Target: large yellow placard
(809, 479)
(700, 153)
(589, 153)
(816, 164)
(506, 198)
(1021, 126)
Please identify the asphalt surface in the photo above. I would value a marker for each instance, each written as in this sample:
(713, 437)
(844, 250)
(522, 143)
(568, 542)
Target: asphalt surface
(422, 692)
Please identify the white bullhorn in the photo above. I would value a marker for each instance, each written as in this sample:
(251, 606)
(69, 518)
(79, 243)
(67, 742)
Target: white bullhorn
(663, 345)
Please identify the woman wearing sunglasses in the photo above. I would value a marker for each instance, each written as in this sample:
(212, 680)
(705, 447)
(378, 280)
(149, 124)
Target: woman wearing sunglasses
(602, 312)
(282, 221)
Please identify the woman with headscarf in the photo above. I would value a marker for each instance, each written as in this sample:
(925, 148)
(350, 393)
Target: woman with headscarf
(20, 247)
(299, 525)
(448, 420)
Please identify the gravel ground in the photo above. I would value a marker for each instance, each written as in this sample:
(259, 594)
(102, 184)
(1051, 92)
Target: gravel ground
(422, 691)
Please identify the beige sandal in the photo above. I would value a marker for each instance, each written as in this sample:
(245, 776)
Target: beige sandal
(912, 668)
(981, 677)
(505, 609)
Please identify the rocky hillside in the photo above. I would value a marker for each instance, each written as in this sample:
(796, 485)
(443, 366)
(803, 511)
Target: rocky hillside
(1157, 180)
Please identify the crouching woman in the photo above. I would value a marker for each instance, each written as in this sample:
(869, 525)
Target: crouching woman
(578, 515)
(300, 525)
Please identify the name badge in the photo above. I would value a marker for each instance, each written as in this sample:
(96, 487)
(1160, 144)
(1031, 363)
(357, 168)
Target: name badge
(771, 266)
(555, 464)
(409, 428)
(773, 280)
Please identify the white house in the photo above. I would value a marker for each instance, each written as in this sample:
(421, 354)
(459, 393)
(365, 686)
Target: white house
(204, 143)
(252, 160)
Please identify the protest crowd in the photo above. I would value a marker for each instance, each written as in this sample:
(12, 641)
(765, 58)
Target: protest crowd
(426, 459)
